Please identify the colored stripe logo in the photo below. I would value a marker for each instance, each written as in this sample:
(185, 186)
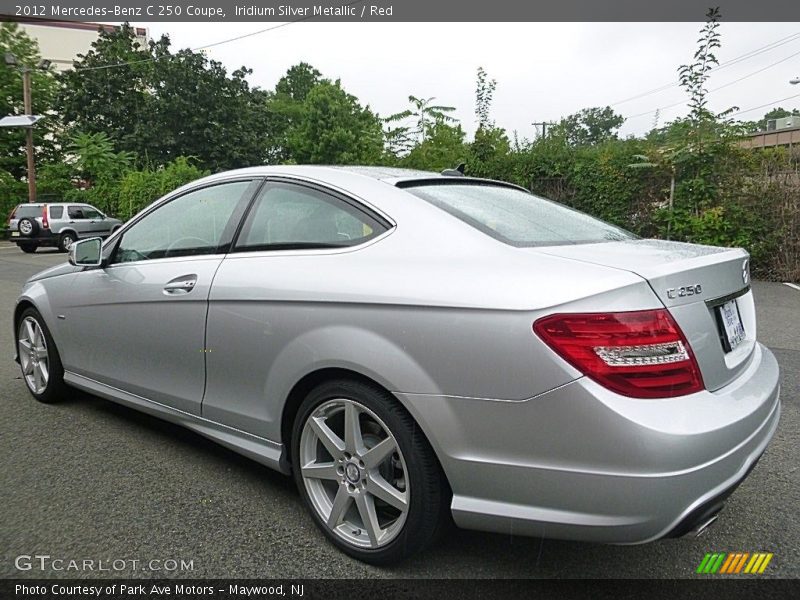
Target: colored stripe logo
(733, 563)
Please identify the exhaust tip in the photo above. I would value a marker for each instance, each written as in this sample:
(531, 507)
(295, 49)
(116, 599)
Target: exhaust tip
(703, 526)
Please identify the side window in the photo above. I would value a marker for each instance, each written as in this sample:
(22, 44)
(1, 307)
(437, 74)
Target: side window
(75, 212)
(56, 212)
(287, 216)
(90, 212)
(190, 224)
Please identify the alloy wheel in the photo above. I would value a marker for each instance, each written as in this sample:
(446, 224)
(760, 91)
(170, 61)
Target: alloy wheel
(33, 356)
(354, 473)
(25, 228)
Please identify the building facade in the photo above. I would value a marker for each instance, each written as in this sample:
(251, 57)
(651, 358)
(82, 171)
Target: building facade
(62, 41)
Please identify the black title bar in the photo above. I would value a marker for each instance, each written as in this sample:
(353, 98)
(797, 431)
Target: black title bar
(398, 10)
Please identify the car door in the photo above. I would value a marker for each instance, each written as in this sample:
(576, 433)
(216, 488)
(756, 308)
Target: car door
(263, 296)
(138, 323)
(77, 221)
(96, 222)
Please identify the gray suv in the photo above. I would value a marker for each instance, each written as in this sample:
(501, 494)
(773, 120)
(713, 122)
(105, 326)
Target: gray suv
(60, 224)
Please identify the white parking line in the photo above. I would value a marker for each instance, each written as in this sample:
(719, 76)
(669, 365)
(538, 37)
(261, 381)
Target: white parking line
(793, 285)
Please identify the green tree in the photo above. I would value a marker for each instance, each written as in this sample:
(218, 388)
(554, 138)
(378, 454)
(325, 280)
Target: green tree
(298, 82)
(589, 126)
(427, 115)
(201, 111)
(335, 129)
(160, 105)
(484, 93)
(95, 158)
(43, 86)
(444, 148)
(110, 90)
(286, 108)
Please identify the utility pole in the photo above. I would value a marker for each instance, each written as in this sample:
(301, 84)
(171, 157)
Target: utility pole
(44, 65)
(28, 102)
(543, 125)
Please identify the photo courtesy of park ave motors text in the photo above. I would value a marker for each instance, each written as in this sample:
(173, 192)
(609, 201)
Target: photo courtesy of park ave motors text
(368, 291)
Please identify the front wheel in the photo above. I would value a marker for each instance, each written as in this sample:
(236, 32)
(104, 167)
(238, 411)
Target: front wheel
(39, 359)
(367, 473)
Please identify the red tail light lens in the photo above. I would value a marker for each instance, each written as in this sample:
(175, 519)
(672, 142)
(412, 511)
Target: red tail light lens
(12, 213)
(45, 223)
(641, 354)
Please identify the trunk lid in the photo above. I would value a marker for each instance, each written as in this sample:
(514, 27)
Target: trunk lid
(698, 285)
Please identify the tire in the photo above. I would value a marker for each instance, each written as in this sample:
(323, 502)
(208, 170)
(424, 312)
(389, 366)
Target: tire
(53, 389)
(66, 240)
(347, 476)
(28, 248)
(28, 227)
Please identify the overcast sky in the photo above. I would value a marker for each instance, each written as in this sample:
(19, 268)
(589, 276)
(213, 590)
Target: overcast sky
(543, 70)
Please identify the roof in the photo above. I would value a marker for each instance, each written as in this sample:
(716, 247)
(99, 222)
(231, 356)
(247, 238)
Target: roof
(384, 173)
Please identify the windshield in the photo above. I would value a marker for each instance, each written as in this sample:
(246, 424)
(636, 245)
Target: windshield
(517, 217)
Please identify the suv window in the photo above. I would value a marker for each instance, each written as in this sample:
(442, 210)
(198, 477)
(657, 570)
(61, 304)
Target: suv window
(75, 212)
(288, 216)
(56, 212)
(28, 210)
(516, 217)
(189, 225)
(90, 212)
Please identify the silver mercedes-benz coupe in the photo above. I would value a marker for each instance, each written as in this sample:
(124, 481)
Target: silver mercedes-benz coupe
(417, 348)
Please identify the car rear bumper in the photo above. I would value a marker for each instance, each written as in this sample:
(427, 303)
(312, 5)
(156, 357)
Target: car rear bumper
(582, 463)
(43, 238)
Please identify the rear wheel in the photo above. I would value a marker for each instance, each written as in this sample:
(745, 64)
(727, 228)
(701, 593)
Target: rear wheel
(29, 248)
(39, 359)
(367, 473)
(65, 241)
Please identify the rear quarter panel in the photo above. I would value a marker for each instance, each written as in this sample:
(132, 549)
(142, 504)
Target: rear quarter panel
(453, 319)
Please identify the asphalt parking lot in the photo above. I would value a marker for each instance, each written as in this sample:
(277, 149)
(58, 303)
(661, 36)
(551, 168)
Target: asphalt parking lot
(87, 479)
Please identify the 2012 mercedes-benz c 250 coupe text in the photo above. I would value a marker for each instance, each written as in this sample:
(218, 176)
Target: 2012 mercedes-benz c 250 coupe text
(413, 347)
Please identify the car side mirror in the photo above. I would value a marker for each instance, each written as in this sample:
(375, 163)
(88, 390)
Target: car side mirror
(86, 253)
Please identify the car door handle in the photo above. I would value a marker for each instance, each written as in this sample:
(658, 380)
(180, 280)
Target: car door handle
(180, 285)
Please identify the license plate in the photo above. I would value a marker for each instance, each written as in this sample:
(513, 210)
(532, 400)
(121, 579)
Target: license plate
(731, 324)
(15, 234)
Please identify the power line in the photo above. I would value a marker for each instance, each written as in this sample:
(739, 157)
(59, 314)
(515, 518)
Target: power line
(728, 63)
(682, 102)
(739, 112)
(211, 45)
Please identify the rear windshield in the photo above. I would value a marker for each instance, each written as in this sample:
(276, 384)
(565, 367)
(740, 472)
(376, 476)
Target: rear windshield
(26, 210)
(517, 217)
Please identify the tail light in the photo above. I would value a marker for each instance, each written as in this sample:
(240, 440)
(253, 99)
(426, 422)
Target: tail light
(45, 223)
(12, 213)
(641, 354)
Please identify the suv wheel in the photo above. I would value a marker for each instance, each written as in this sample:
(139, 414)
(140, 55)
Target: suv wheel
(367, 474)
(39, 359)
(65, 241)
(28, 227)
(28, 248)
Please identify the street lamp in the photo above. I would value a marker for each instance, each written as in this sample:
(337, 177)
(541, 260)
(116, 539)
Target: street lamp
(44, 64)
